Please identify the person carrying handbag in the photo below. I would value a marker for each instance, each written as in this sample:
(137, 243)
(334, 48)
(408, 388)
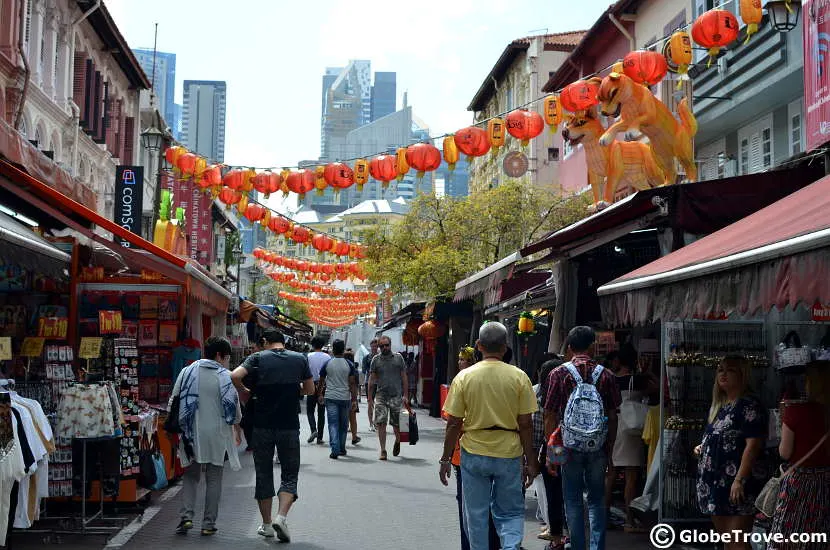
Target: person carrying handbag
(803, 491)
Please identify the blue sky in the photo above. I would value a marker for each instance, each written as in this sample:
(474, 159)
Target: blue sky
(273, 54)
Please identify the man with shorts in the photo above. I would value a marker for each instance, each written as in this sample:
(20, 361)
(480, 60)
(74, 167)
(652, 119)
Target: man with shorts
(388, 385)
(277, 378)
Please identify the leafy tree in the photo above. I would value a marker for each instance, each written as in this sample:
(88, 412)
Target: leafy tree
(443, 240)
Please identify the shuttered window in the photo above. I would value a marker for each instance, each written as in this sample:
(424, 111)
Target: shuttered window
(755, 147)
(129, 129)
(796, 127)
(79, 81)
(711, 159)
(97, 107)
(88, 108)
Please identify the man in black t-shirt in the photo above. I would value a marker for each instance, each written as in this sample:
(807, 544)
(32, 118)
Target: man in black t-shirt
(276, 376)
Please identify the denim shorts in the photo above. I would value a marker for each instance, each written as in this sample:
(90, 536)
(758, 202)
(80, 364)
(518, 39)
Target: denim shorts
(287, 444)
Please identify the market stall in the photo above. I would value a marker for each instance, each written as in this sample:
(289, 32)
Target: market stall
(757, 288)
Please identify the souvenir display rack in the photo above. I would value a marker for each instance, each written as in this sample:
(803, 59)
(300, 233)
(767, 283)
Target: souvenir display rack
(692, 351)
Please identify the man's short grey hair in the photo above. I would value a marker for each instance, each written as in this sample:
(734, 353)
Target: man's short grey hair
(492, 337)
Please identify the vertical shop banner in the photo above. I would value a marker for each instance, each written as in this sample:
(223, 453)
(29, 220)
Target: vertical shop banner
(129, 197)
(816, 26)
(198, 222)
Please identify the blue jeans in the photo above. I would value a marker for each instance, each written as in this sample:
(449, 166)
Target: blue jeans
(337, 411)
(585, 472)
(493, 484)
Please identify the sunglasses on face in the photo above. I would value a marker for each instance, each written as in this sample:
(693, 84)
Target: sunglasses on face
(385, 345)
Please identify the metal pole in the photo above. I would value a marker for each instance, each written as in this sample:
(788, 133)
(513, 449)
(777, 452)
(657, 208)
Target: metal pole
(153, 78)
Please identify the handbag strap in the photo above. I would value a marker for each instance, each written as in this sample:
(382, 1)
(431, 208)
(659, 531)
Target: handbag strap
(808, 455)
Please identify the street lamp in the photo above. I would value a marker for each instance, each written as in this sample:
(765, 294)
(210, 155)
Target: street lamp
(784, 14)
(152, 138)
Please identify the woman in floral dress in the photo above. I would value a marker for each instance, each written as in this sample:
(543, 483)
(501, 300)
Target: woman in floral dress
(729, 479)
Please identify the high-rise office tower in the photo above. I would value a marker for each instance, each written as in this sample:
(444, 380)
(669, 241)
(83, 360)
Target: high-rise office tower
(384, 95)
(347, 104)
(203, 117)
(164, 82)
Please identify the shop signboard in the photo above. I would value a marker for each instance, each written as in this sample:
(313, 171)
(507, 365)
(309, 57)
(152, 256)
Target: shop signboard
(198, 222)
(109, 322)
(820, 312)
(816, 34)
(52, 328)
(32, 347)
(129, 196)
(90, 348)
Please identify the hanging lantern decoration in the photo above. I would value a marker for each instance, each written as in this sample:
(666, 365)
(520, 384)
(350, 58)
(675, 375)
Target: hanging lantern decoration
(495, 133)
(211, 178)
(234, 179)
(678, 54)
(450, 152)
(472, 141)
(229, 197)
(300, 235)
(525, 125)
(579, 96)
(341, 248)
(172, 154)
(248, 179)
(322, 242)
(401, 165)
(424, 157)
(320, 179)
(339, 176)
(645, 67)
(266, 219)
(361, 173)
(301, 182)
(284, 181)
(186, 165)
(527, 325)
(280, 225)
(384, 169)
(553, 112)
(242, 205)
(714, 30)
(254, 213)
(431, 331)
(266, 183)
(752, 14)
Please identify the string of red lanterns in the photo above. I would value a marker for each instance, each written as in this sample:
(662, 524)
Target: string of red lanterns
(341, 271)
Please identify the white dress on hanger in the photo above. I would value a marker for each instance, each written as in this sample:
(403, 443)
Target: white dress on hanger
(12, 469)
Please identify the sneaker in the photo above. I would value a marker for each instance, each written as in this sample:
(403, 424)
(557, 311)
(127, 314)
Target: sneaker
(333, 456)
(355, 440)
(184, 526)
(312, 438)
(321, 442)
(281, 528)
(209, 531)
(266, 531)
(342, 453)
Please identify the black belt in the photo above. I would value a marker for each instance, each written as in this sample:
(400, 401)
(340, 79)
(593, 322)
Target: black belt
(500, 428)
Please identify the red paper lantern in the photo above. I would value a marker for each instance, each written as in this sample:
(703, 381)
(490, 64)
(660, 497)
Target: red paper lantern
(525, 125)
(645, 67)
(424, 157)
(280, 225)
(172, 154)
(229, 196)
(431, 330)
(211, 177)
(267, 183)
(258, 253)
(322, 242)
(301, 181)
(383, 168)
(714, 30)
(339, 175)
(341, 249)
(579, 96)
(254, 213)
(234, 179)
(472, 141)
(300, 235)
(186, 163)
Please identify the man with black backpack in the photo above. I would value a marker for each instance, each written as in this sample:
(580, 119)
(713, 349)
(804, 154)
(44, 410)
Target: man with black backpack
(581, 406)
(276, 376)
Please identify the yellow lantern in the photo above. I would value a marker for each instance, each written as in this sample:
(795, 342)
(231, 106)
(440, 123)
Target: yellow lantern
(361, 173)
(199, 168)
(527, 324)
(320, 180)
(752, 14)
(553, 112)
(400, 162)
(266, 219)
(248, 176)
(495, 132)
(450, 152)
(242, 205)
(283, 179)
(678, 52)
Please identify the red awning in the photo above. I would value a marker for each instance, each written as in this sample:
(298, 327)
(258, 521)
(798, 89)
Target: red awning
(778, 256)
(142, 253)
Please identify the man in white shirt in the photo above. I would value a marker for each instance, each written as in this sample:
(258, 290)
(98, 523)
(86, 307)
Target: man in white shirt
(316, 359)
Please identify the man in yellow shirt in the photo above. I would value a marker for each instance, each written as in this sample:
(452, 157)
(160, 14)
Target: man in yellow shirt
(493, 402)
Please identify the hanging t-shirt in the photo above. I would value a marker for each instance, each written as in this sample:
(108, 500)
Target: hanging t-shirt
(182, 357)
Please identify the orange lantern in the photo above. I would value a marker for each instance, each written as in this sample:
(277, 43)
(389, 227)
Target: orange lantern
(266, 219)
(553, 112)
(301, 182)
(752, 14)
(248, 179)
(300, 234)
(424, 157)
(495, 133)
(525, 125)
(450, 152)
(383, 168)
(579, 96)
(186, 164)
(229, 196)
(714, 30)
(339, 175)
(431, 331)
(341, 249)
(322, 242)
(242, 205)
(280, 225)
(401, 166)
(267, 183)
(361, 173)
(254, 213)
(645, 67)
(172, 154)
(320, 180)
(234, 179)
(678, 51)
(472, 141)
(211, 177)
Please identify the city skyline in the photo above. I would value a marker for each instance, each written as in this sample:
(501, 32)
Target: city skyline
(203, 117)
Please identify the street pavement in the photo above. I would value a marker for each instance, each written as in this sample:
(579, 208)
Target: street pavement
(355, 502)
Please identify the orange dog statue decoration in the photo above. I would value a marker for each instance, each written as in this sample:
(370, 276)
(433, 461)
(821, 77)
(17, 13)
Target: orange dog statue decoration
(620, 164)
(639, 110)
